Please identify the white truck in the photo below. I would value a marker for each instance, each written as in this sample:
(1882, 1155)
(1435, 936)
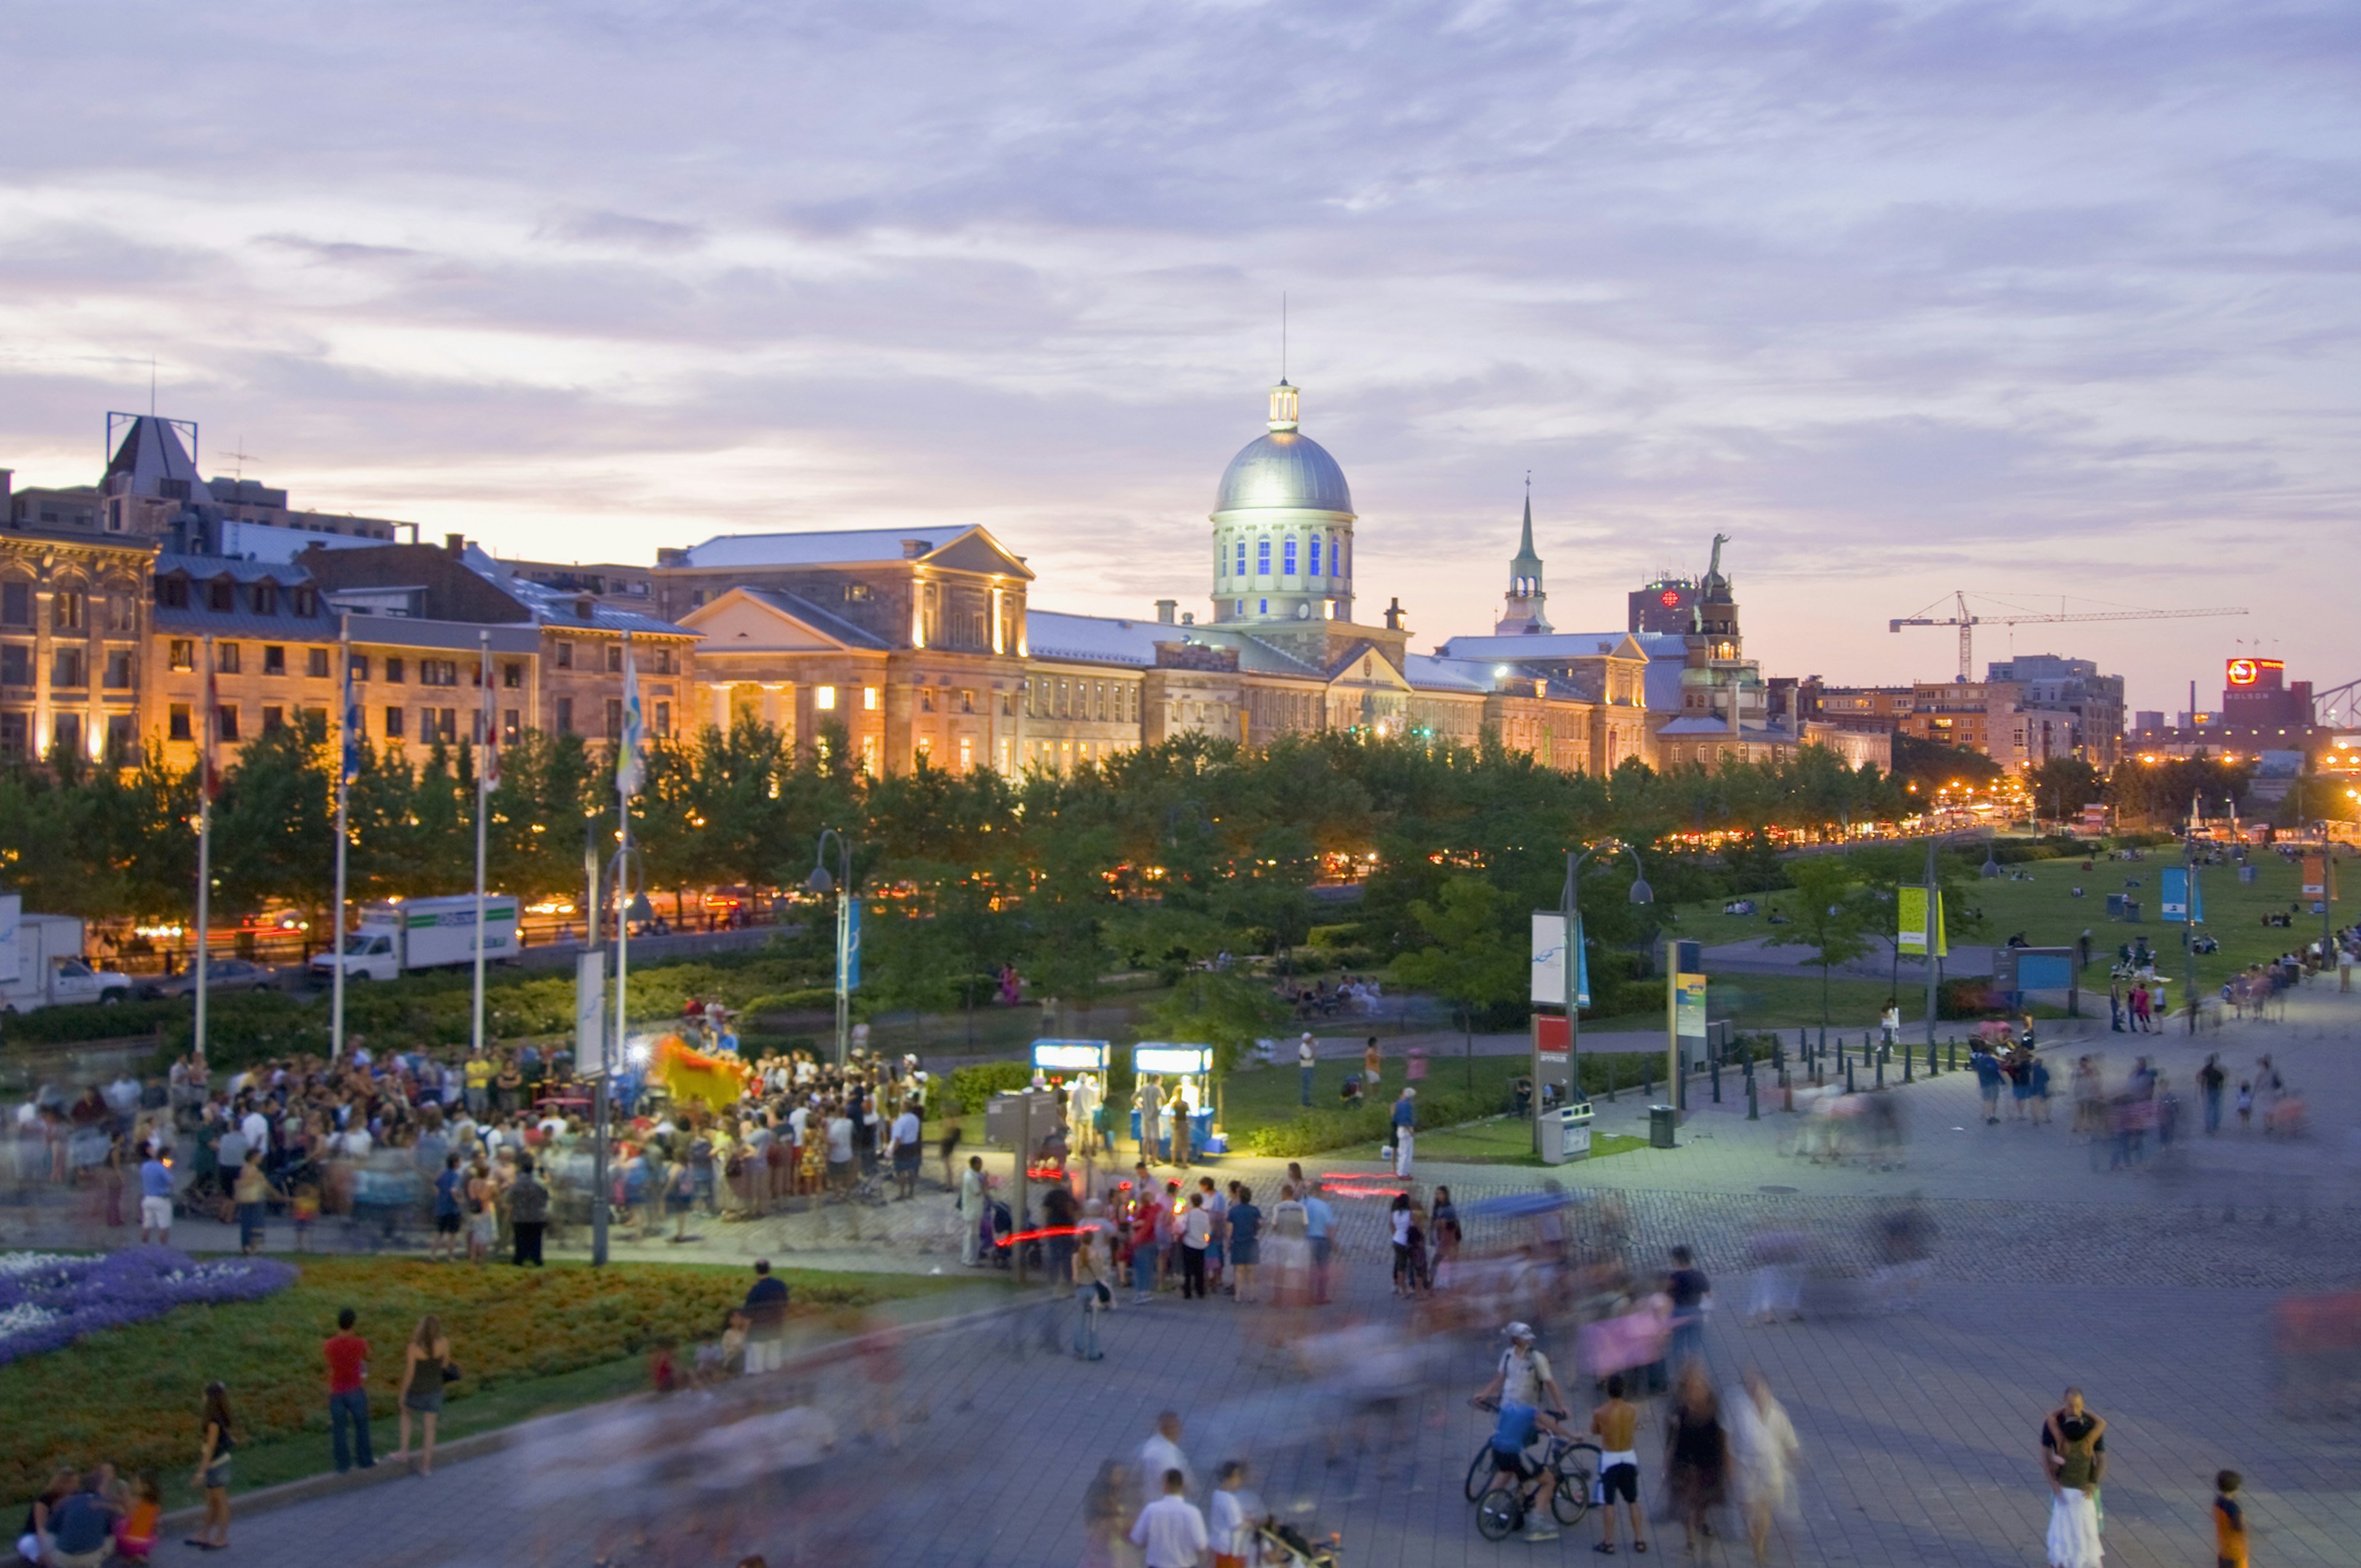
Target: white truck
(41, 964)
(422, 933)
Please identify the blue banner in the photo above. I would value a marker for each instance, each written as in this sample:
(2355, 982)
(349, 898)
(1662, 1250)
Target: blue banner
(852, 957)
(2180, 895)
(1581, 967)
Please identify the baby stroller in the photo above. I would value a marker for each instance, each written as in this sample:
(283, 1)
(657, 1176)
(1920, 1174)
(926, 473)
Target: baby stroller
(1004, 1226)
(1284, 1546)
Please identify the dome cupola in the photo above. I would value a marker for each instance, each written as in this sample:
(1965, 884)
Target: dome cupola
(1283, 526)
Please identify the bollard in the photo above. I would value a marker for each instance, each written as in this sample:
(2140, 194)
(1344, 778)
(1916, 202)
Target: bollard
(1906, 1067)
(1716, 1072)
(1954, 1063)
(1848, 1067)
(1610, 1081)
(1753, 1111)
(1932, 1071)
(1880, 1072)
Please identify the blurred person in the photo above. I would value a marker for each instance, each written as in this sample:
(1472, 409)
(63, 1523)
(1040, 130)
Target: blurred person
(137, 1532)
(1196, 1236)
(1404, 1227)
(1147, 1109)
(1905, 1237)
(213, 1451)
(33, 1540)
(973, 1212)
(1691, 1293)
(1778, 1257)
(2074, 1461)
(1245, 1221)
(1107, 1514)
(909, 1151)
(1094, 1269)
(528, 1214)
(1696, 1453)
(2229, 1521)
(1987, 1079)
(156, 1198)
(1305, 1057)
(2210, 1081)
(1616, 1424)
(426, 1365)
(1170, 1531)
(1763, 1451)
(1161, 1455)
(81, 1525)
(1372, 1066)
(1320, 1227)
(1446, 1238)
(1520, 1384)
(765, 1308)
(1290, 1249)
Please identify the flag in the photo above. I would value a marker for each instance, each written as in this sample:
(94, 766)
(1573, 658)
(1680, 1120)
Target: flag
(351, 766)
(630, 765)
(487, 775)
(209, 773)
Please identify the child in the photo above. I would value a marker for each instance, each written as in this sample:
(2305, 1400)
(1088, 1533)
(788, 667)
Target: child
(2229, 1521)
(2245, 1104)
(305, 1207)
(135, 1532)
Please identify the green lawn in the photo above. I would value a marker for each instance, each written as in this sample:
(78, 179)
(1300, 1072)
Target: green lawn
(531, 1343)
(1506, 1140)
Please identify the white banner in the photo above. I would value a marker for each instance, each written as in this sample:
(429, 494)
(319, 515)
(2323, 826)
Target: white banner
(591, 1013)
(1549, 959)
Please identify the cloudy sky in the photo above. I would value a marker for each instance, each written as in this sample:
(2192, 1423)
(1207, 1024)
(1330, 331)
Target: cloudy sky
(2033, 301)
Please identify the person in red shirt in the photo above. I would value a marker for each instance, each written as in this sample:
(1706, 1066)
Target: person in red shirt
(1147, 1242)
(348, 1356)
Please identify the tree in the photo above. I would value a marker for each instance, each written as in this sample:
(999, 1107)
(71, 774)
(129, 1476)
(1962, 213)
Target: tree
(1470, 960)
(2064, 785)
(1833, 914)
(1227, 1011)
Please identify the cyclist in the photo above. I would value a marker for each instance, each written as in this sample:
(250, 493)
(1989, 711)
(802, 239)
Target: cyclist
(1522, 1383)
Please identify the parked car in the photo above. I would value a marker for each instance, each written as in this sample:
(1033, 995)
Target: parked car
(221, 974)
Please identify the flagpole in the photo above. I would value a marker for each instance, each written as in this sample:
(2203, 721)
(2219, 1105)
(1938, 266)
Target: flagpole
(484, 742)
(347, 749)
(627, 779)
(205, 842)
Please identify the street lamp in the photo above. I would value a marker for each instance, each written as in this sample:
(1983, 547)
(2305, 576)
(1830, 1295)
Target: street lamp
(821, 882)
(1570, 913)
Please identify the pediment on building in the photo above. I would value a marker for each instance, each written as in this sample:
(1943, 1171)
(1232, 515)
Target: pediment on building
(763, 620)
(978, 551)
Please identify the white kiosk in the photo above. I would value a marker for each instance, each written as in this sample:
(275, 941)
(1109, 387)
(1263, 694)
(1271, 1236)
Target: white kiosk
(1194, 1065)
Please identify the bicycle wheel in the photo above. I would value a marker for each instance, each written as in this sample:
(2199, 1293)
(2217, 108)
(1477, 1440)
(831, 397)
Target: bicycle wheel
(1500, 1514)
(1577, 1468)
(1479, 1472)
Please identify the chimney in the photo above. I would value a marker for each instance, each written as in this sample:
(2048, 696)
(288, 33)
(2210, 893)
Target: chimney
(455, 545)
(1188, 618)
(1394, 613)
(1164, 607)
(7, 476)
(912, 549)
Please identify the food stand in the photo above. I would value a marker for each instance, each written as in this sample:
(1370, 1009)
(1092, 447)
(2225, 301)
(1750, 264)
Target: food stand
(1194, 1065)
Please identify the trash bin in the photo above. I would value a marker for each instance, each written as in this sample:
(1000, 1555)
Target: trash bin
(1574, 1131)
(1551, 1131)
(1661, 1121)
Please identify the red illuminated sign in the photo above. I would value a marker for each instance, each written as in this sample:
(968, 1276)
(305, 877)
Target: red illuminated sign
(2247, 672)
(1669, 597)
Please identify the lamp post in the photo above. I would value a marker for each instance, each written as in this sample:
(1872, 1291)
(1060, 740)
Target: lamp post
(821, 882)
(1570, 913)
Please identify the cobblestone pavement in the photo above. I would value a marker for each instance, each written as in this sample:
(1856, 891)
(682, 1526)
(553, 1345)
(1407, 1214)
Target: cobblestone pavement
(2151, 1289)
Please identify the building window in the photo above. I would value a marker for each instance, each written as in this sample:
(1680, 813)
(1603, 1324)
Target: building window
(360, 666)
(1315, 554)
(663, 718)
(663, 660)
(396, 671)
(226, 658)
(856, 593)
(869, 695)
(120, 663)
(614, 658)
(443, 723)
(511, 676)
(614, 718)
(273, 720)
(14, 734)
(68, 607)
(926, 699)
(65, 733)
(1289, 556)
(564, 655)
(1266, 607)
(1242, 559)
(393, 724)
(225, 722)
(824, 698)
(181, 652)
(304, 601)
(221, 596)
(438, 671)
(176, 722)
(966, 700)
(316, 663)
(966, 755)
(1008, 706)
(16, 604)
(509, 728)
(566, 715)
(266, 598)
(1262, 557)
(274, 659)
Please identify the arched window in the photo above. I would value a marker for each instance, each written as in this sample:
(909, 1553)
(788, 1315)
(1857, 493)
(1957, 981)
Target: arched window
(1242, 558)
(1262, 556)
(1288, 554)
(1315, 554)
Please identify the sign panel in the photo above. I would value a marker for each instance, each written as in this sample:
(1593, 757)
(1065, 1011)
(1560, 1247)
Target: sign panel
(2180, 897)
(853, 943)
(1070, 1056)
(1918, 921)
(1688, 1006)
(1552, 1035)
(1549, 961)
(2315, 876)
(1149, 1057)
(591, 1013)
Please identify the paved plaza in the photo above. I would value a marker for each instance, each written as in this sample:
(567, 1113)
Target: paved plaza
(2150, 1287)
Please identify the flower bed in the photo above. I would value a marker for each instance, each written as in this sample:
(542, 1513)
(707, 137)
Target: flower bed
(48, 1300)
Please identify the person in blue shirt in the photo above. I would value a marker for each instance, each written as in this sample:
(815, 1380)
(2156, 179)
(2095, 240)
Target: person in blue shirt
(1405, 1119)
(1987, 1067)
(1319, 1228)
(156, 1198)
(449, 1187)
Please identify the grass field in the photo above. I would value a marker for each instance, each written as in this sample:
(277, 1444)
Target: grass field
(530, 1343)
(1506, 1140)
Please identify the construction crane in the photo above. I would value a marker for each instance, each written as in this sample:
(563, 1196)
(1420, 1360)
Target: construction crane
(1967, 623)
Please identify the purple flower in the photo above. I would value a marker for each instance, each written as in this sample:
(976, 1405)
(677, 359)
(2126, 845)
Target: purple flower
(48, 1302)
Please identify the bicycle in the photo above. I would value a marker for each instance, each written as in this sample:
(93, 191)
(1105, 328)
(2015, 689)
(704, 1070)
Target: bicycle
(1500, 1510)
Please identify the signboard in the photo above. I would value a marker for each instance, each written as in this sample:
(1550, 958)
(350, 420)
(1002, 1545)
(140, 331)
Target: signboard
(2250, 672)
(852, 955)
(1070, 1056)
(2315, 877)
(11, 916)
(2094, 818)
(2180, 897)
(1918, 921)
(591, 1013)
(1688, 1006)
(1552, 1035)
(1549, 961)
(1157, 1058)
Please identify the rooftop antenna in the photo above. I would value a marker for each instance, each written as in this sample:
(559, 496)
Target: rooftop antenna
(240, 459)
(151, 386)
(1282, 334)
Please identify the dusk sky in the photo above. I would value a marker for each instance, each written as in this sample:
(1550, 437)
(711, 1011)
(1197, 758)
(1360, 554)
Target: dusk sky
(2026, 300)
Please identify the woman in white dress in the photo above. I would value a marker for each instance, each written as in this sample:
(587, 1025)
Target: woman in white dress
(2073, 1456)
(1286, 1250)
(1764, 1450)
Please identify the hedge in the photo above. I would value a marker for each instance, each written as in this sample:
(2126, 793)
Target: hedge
(974, 1085)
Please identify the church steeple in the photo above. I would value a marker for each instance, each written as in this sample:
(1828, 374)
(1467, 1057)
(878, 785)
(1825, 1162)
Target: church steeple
(1522, 610)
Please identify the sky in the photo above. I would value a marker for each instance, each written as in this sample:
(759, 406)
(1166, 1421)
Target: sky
(2051, 302)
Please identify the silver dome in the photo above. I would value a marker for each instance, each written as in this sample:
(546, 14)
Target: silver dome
(1283, 469)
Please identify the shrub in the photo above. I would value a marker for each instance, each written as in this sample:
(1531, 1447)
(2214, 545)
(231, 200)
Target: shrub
(972, 1086)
